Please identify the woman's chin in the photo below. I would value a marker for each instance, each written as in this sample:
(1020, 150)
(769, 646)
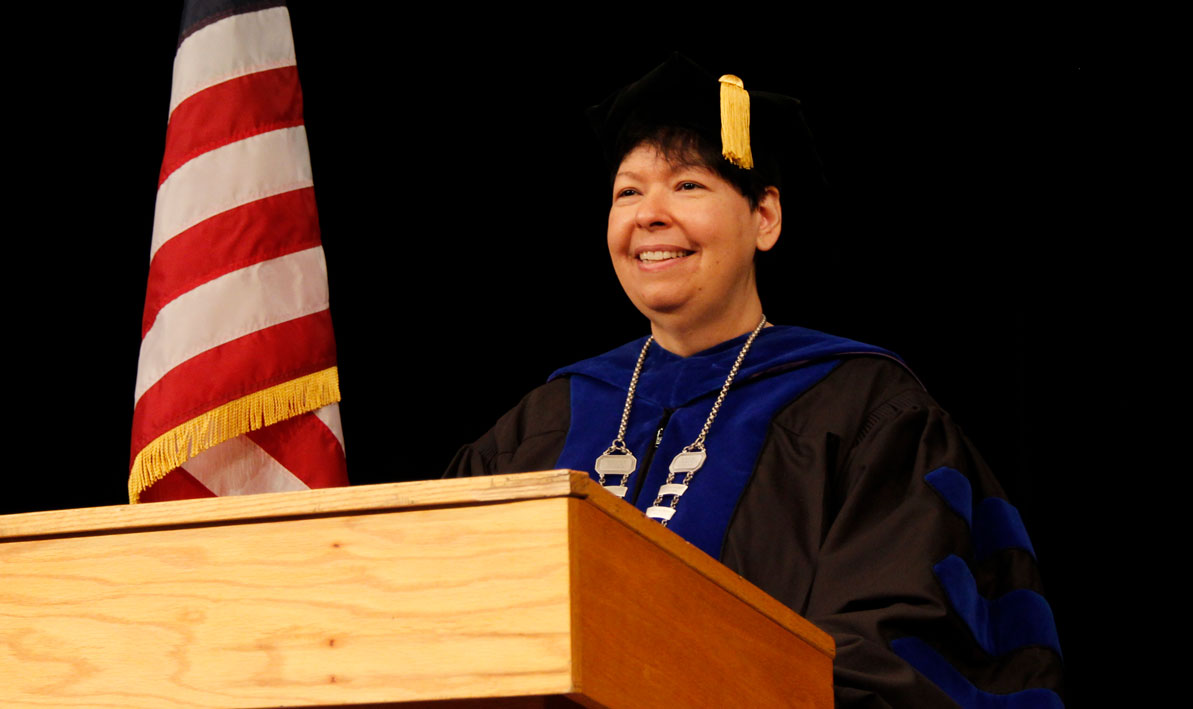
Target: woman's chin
(661, 306)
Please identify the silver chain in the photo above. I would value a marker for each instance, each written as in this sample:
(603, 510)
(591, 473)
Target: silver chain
(698, 444)
(618, 444)
(692, 455)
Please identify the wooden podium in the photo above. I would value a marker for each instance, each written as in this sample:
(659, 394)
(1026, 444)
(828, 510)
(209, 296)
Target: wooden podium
(533, 590)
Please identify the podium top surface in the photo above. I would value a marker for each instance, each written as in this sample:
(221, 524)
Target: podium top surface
(304, 503)
(396, 497)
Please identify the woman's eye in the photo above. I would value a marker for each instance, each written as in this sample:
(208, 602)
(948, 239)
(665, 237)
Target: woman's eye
(627, 192)
(689, 185)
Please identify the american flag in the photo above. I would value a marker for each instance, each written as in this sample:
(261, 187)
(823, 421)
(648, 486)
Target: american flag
(236, 384)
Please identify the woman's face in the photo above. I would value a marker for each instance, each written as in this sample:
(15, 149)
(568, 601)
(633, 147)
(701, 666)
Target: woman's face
(682, 239)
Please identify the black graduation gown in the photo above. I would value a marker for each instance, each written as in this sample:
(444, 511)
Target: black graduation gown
(837, 485)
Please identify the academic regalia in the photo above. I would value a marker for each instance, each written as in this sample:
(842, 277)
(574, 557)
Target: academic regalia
(837, 485)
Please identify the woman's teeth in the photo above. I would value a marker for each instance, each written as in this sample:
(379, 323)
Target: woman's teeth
(661, 255)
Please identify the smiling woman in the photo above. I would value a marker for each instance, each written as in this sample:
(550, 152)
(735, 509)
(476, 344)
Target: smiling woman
(682, 240)
(815, 466)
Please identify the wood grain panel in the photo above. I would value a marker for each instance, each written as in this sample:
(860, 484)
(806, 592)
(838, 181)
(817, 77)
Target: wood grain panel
(418, 605)
(648, 620)
(700, 562)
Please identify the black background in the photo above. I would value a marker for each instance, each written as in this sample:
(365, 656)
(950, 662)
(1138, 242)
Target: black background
(463, 202)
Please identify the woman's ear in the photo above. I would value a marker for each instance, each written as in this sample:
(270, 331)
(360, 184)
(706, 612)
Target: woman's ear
(770, 219)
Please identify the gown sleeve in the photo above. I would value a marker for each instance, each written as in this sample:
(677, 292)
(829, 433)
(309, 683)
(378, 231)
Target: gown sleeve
(925, 575)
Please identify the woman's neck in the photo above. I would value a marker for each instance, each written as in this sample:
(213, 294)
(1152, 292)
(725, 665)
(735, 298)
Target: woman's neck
(686, 339)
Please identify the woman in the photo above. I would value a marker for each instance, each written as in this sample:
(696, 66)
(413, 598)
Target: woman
(816, 467)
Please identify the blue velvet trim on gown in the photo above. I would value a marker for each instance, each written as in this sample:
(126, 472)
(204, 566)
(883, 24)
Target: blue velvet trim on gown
(1016, 619)
(929, 663)
(783, 363)
(995, 525)
(954, 488)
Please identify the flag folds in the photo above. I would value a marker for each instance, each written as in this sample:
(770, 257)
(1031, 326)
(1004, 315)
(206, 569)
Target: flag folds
(236, 385)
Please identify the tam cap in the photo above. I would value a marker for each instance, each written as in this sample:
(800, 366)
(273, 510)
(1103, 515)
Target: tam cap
(754, 129)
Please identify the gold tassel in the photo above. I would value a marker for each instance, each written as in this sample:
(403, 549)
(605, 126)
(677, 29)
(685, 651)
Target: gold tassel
(735, 122)
(235, 418)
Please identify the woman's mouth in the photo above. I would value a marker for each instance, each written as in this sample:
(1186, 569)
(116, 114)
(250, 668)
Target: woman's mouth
(656, 256)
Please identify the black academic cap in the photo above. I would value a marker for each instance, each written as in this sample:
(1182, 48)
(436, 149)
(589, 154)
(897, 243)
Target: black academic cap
(679, 93)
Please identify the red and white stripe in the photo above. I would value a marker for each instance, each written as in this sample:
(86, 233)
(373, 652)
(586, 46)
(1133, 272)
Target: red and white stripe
(237, 297)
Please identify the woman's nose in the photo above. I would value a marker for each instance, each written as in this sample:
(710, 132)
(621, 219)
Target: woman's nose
(653, 211)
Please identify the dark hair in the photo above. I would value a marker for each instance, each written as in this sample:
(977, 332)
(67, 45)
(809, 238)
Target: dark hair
(683, 145)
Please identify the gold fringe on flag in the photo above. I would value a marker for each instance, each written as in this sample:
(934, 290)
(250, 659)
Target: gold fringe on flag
(735, 122)
(235, 418)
